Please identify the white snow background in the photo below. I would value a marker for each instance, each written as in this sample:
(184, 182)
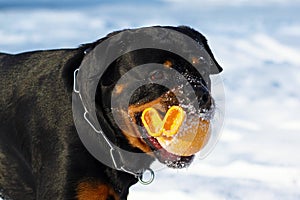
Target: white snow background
(258, 45)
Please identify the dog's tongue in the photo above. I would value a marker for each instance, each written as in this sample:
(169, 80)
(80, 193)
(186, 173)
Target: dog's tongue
(176, 133)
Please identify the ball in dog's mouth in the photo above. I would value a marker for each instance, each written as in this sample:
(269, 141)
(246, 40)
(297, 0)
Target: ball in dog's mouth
(174, 132)
(178, 138)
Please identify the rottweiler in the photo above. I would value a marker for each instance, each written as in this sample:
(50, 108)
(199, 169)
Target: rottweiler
(41, 154)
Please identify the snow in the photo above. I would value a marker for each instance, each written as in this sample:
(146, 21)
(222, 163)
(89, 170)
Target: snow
(258, 45)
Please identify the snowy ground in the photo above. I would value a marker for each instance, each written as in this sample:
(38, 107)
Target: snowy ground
(258, 45)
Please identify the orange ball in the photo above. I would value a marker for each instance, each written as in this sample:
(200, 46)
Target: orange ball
(189, 141)
(175, 133)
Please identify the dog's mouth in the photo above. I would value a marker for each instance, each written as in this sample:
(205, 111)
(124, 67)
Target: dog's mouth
(169, 159)
(173, 131)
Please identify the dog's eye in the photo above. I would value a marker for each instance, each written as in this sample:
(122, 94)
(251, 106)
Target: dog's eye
(157, 75)
(168, 63)
(195, 60)
(198, 60)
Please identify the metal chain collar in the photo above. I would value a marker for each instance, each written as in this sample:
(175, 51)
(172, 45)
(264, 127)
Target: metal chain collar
(114, 153)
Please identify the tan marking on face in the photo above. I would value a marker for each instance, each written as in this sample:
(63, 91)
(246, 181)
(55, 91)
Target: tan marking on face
(94, 190)
(119, 88)
(168, 63)
(134, 137)
(140, 108)
(132, 133)
(195, 60)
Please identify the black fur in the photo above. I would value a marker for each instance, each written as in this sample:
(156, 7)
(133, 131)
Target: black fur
(41, 155)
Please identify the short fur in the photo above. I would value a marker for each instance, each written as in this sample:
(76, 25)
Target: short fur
(41, 155)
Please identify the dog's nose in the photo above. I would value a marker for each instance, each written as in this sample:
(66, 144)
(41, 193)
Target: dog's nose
(204, 98)
(206, 101)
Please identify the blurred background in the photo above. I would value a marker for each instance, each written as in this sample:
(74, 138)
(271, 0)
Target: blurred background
(257, 43)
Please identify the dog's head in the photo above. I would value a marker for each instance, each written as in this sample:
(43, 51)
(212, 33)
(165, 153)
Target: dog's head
(162, 102)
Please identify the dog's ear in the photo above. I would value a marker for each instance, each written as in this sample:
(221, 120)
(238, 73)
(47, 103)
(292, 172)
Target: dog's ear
(198, 37)
(216, 68)
(77, 58)
(71, 65)
(75, 61)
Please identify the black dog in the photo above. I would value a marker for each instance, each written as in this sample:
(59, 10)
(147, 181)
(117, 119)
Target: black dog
(41, 155)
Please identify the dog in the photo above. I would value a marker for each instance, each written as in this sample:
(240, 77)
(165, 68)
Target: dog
(41, 155)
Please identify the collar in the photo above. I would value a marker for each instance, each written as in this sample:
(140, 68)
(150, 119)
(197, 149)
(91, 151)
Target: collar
(95, 140)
